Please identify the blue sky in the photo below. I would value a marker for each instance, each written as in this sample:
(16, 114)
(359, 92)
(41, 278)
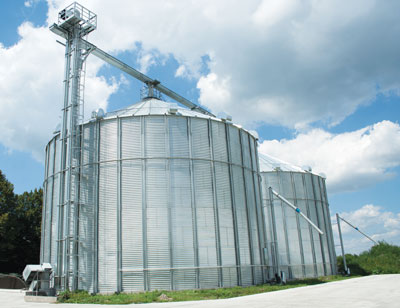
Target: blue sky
(319, 82)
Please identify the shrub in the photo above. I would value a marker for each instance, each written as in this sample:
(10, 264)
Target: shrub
(383, 258)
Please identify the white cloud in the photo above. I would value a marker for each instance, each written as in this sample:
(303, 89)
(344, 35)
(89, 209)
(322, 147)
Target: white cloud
(351, 160)
(31, 74)
(371, 219)
(181, 71)
(31, 3)
(290, 63)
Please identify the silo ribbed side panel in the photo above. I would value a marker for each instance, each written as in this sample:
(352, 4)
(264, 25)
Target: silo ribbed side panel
(235, 144)
(200, 139)
(131, 138)
(243, 227)
(313, 216)
(88, 195)
(107, 251)
(54, 220)
(252, 214)
(131, 220)
(178, 137)
(305, 228)
(48, 202)
(47, 237)
(328, 226)
(205, 225)
(158, 237)
(56, 205)
(155, 130)
(325, 248)
(281, 236)
(227, 236)
(182, 226)
(131, 206)
(219, 141)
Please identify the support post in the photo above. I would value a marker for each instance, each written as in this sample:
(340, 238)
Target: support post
(341, 243)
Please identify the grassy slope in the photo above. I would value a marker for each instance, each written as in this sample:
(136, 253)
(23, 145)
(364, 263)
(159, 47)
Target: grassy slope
(186, 295)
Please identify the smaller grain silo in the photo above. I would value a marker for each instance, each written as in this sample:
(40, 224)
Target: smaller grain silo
(294, 246)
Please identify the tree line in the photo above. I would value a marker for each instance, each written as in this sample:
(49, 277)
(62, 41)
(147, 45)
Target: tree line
(20, 227)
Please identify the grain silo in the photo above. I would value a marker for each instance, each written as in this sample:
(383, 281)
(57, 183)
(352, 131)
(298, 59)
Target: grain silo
(154, 196)
(168, 199)
(294, 246)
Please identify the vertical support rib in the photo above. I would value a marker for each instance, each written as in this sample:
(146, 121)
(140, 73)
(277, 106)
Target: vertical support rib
(285, 230)
(193, 203)
(234, 213)
(96, 212)
(330, 232)
(261, 216)
(169, 203)
(144, 209)
(119, 208)
(215, 201)
(257, 213)
(246, 198)
(327, 223)
(319, 225)
(310, 227)
(46, 171)
(298, 226)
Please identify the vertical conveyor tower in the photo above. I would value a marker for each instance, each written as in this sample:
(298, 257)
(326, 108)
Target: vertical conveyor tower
(75, 22)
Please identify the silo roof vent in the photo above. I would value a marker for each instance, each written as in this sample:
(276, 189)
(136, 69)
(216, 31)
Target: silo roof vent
(149, 90)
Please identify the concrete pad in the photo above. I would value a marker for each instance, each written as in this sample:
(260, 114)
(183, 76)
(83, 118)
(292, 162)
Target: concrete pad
(365, 292)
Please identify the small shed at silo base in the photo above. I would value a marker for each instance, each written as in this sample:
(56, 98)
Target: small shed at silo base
(294, 246)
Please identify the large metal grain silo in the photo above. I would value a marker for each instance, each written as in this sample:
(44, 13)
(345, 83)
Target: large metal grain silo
(295, 247)
(169, 198)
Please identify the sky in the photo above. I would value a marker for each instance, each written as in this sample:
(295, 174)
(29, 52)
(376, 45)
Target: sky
(318, 80)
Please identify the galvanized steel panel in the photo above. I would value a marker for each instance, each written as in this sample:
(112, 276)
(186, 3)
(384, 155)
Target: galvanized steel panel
(219, 141)
(131, 138)
(107, 250)
(178, 137)
(154, 134)
(308, 253)
(200, 138)
(131, 220)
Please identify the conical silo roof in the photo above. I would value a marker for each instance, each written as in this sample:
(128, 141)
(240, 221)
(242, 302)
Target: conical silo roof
(153, 106)
(269, 163)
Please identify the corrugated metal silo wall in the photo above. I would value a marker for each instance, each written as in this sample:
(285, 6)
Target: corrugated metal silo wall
(302, 251)
(50, 215)
(166, 202)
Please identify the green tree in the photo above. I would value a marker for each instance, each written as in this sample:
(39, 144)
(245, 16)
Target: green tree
(8, 202)
(7, 197)
(20, 224)
(383, 258)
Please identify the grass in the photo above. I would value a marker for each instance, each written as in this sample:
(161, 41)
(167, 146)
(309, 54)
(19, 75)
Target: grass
(84, 297)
